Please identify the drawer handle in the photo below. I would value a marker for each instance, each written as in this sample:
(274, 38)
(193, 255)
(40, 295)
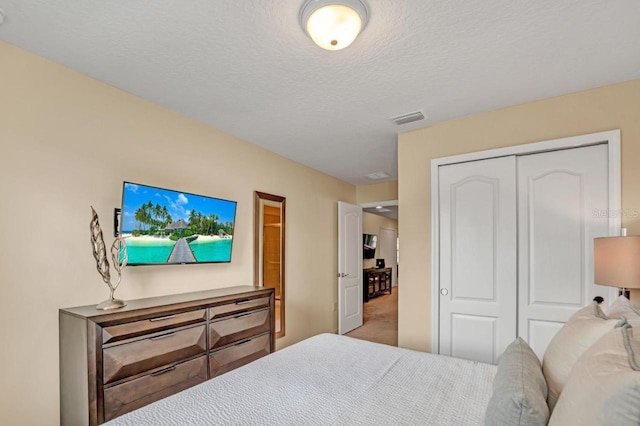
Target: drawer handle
(243, 302)
(242, 342)
(164, 336)
(242, 315)
(166, 370)
(162, 318)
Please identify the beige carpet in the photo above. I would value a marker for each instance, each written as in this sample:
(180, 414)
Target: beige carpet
(380, 320)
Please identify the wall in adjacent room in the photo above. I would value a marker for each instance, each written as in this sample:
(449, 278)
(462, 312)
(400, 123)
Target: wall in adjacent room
(371, 224)
(68, 142)
(606, 108)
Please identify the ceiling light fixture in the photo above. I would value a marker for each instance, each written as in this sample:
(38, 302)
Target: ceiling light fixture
(333, 24)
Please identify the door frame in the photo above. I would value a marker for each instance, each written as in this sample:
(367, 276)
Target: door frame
(610, 137)
(258, 241)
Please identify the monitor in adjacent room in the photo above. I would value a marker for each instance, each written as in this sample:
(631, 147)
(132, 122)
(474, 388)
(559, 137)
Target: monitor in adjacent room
(369, 250)
(164, 226)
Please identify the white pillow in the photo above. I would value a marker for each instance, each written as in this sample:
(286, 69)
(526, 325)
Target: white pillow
(622, 307)
(604, 386)
(582, 330)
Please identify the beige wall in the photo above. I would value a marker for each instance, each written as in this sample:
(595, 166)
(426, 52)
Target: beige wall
(384, 191)
(68, 142)
(605, 108)
(371, 224)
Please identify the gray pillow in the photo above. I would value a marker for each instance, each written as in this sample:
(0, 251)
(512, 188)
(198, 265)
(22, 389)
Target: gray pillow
(519, 389)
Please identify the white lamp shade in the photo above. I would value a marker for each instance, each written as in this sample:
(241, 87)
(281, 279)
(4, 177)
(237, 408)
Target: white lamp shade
(617, 261)
(333, 24)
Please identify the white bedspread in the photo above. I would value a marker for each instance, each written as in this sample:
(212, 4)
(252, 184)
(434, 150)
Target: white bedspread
(332, 380)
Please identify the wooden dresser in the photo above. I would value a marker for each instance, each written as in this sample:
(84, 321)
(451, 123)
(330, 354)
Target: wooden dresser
(376, 282)
(112, 362)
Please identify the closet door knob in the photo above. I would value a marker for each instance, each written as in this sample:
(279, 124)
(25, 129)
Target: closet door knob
(444, 292)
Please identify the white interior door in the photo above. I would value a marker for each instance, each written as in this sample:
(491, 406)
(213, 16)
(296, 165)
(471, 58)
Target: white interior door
(349, 267)
(388, 247)
(477, 258)
(558, 193)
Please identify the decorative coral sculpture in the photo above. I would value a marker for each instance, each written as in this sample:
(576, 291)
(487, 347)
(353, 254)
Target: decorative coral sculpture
(118, 258)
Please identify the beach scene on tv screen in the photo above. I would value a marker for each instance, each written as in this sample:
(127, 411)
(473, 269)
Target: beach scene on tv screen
(163, 226)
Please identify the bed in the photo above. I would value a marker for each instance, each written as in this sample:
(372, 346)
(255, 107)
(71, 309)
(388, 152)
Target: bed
(333, 380)
(589, 376)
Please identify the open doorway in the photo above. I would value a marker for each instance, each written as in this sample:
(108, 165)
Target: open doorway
(380, 282)
(269, 250)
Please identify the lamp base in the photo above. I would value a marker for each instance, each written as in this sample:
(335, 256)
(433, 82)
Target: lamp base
(111, 304)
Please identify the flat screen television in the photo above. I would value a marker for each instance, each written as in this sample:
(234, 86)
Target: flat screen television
(163, 226)
(369, 250)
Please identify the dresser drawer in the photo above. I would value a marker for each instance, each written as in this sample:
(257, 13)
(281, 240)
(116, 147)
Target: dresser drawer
(133, 358)
(164, 322)
(137, 393)
(238, 327)
(239, 354)
(240, 305)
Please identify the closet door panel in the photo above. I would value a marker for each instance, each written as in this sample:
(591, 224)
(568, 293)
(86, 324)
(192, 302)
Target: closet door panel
(474, 213)
(471, 332)
(556, 226)
(558, 193)
(477, 258)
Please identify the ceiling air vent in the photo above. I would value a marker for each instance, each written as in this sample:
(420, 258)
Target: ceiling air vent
(408, 118)
(378, 175)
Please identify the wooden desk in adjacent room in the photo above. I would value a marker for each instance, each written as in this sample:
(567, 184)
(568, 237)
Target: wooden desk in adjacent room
(376, 282)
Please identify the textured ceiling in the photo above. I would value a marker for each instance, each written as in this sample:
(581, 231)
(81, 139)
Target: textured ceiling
(246, 67)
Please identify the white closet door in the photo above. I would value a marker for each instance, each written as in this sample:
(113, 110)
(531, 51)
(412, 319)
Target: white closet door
(477, 258)
(558, 193)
